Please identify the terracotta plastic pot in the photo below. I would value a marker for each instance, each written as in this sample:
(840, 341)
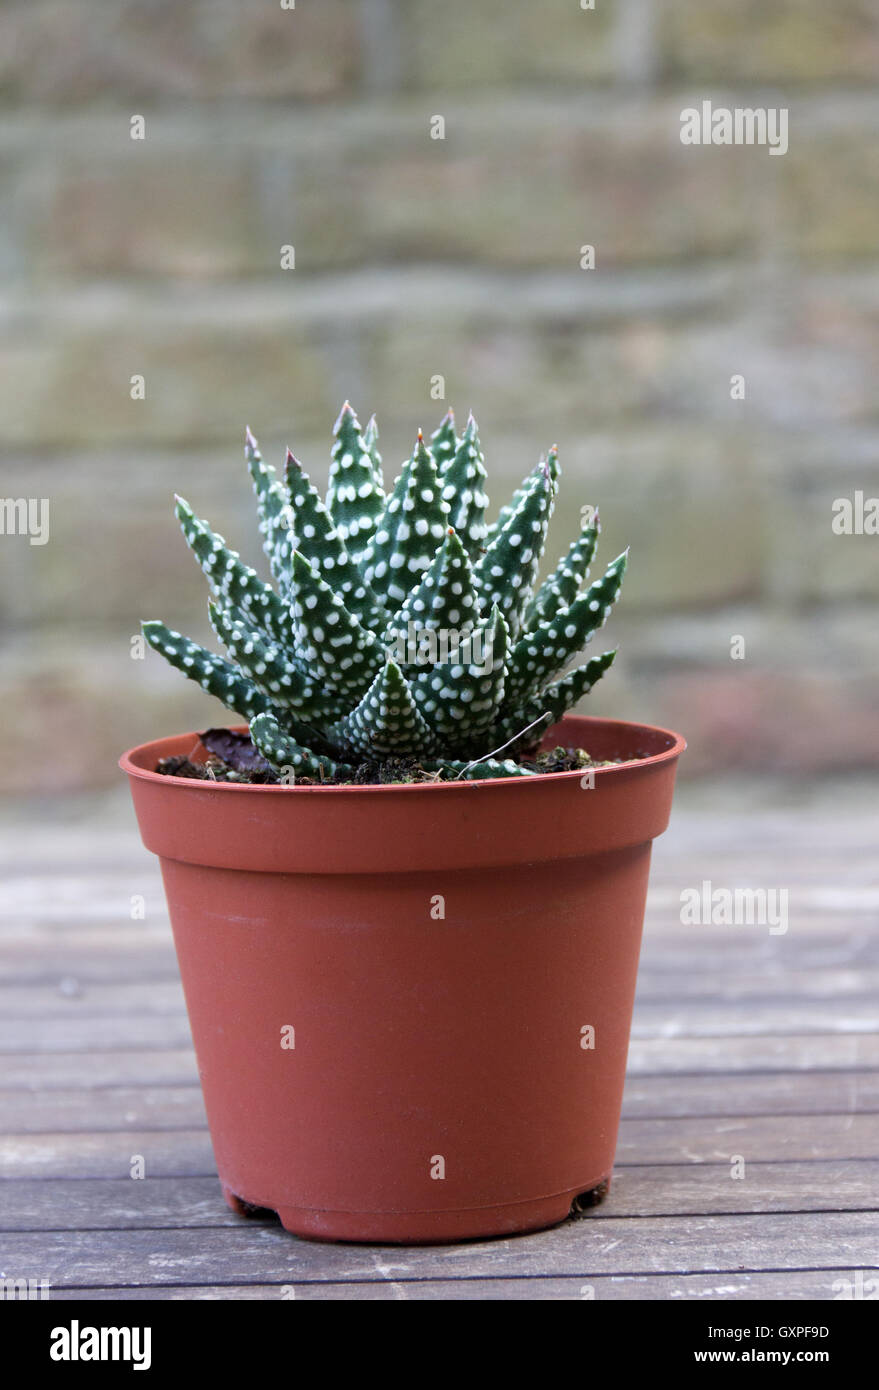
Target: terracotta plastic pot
(411, 1004)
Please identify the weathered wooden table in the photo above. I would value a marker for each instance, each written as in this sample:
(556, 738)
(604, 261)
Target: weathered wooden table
(747, 1165)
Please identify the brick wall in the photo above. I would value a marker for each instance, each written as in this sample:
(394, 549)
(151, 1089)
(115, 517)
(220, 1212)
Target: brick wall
(459, 257)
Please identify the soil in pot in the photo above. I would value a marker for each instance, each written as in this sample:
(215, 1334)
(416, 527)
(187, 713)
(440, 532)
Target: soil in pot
(233, 758)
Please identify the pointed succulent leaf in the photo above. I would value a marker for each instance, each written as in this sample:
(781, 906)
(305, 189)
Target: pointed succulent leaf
(552, 463)
(385, 721)
(461, 697)
(282, 751)
(272, 668)
(354, 500)
(213, 673)
(478, 771)
(444, 600)
(233, 581)
(561, 587)
(562, 695)
(463, 488)
(273, 509)
(538, 714)
(337, 648)
(370, 439)
(506, 571)
(539, 655)
(316, 537)
(409, 530)
(444, 442)
(494, 528)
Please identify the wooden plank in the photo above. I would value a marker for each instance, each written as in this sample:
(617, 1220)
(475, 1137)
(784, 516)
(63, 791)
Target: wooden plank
(700, 1140)
(840, 933)
(676, 1057)
(83, 1035)
(72, 1031)
(777, 991)
(88, 956)
(670, 951)
(99, 829)
(32, 1204)
(74, 891)
(792, 1285)
(814, 1051)
(669, 967)
(260, 1254)
(774, 1186)
(33, 1111)
(826, 1093)
(785, 861)
(721, 1019)
(78, 1000)
(87, 897)
(110, 1108)
(810, 878)
(675, 960)
(35, 1204)
(53, 1070)
(757, 1138)
(774, 984)
(106, 1155)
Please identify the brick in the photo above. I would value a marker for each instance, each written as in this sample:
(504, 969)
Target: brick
(807, 563)
(460, 200)
(66, 52)
(192, 218)
(192, 201)
(667, 495)
(206, 376)
(115, 553)
(830, 183)
(787, 41)
(459, 45)
(633, 369)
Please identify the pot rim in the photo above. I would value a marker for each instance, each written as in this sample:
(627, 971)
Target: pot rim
(676, 745)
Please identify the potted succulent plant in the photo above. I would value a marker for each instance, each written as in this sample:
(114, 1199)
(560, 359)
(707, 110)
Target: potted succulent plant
(408, 938)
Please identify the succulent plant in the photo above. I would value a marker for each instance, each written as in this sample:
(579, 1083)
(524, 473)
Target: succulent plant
(399, 625)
